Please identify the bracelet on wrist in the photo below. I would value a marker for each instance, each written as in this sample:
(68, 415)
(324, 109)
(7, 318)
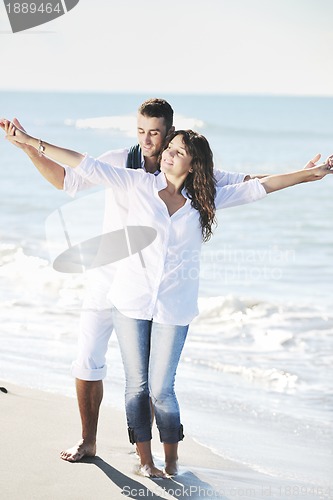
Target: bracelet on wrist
(41, 148)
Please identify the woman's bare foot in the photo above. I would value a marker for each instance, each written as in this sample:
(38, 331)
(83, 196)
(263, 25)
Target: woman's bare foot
(80, 450)
(147, 467)
(171, 458)
(149, 470)
(171, 468)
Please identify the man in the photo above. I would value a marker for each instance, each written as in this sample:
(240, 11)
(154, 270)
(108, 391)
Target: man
(154, 122)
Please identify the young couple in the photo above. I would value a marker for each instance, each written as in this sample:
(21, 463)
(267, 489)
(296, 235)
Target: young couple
(151, 307)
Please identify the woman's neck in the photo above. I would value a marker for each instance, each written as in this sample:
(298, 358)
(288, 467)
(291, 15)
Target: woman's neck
(174, 185)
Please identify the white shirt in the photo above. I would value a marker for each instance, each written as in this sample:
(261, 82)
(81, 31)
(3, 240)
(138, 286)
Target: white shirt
(99, 279)
(74, 183)
(161, 282)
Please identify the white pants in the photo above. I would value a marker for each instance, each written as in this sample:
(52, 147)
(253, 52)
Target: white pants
(96, 326)
(95, 331)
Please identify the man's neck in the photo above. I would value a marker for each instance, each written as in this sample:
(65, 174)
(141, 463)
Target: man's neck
(150, 164)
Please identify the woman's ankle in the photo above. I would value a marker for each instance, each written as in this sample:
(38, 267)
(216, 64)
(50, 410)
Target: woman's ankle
(171, 458)
(145, 454)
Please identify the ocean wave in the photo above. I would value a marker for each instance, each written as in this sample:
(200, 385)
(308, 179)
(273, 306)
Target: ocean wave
(127, 124)
(29, 280)
(245, 323)
(281, 319)
(278, 380)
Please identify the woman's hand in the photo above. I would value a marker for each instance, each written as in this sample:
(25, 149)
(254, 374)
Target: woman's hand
(14, 134)
(17, 136)
(13, 129)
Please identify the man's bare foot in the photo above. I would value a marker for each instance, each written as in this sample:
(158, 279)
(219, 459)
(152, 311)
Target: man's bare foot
(80, 450)
(149, 470)
(171, 468)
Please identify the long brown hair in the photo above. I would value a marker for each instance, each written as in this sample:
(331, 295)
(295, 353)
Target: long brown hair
(200, 184)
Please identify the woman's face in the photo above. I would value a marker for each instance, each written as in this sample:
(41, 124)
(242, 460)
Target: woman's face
(175, 159)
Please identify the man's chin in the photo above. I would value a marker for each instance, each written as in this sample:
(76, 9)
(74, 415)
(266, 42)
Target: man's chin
(148, 152)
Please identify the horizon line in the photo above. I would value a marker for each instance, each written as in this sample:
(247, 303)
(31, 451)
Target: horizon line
(179, 93)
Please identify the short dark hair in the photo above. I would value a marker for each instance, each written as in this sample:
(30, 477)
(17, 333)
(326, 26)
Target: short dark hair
(158, 108)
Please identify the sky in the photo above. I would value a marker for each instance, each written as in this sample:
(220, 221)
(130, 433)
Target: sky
(180, 46)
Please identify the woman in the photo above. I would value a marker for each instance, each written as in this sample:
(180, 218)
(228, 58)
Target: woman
(155, 289)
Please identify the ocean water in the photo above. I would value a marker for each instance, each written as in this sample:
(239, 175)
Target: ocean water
(255, 379)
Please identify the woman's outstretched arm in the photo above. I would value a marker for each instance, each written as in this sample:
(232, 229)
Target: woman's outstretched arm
(62, 155)
(273, 183)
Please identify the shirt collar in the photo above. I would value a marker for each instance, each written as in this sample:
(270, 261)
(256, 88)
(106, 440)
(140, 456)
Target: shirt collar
(161, 183)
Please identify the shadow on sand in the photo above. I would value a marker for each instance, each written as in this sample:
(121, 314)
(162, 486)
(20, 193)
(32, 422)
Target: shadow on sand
(184, 486)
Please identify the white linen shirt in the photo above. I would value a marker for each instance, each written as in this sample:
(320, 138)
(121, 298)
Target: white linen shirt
(73, 183)
(161, 283)
(99, 279)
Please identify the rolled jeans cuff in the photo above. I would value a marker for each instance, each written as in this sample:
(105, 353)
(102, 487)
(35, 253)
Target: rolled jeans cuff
(171, 436)
(138, 437)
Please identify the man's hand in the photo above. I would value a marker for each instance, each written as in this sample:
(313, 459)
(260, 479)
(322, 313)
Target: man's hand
(321, 170)
(325, 168)
(312, 163)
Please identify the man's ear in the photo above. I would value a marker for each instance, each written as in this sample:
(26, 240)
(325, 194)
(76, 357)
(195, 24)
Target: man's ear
(171, 130)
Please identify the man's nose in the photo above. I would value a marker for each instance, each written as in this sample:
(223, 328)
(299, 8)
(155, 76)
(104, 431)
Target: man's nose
(147, 139)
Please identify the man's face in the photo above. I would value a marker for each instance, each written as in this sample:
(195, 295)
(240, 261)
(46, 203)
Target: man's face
(151, 134)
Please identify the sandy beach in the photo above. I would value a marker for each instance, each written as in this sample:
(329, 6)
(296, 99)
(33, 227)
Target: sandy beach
(36, 425)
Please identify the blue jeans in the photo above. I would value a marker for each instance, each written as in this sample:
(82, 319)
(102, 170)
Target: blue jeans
(150, 352)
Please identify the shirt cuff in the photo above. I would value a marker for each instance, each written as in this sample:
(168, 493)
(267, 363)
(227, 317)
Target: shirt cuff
(69, 185)
(85, 167)
(260, 191)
